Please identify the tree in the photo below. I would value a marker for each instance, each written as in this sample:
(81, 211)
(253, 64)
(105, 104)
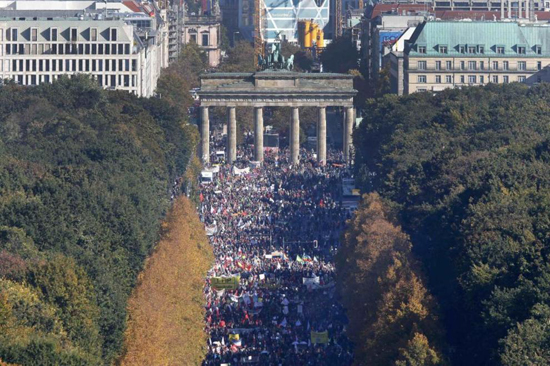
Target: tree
(391, 313)
(166, 308)
(240, 58)
(340, 56)
(467, 172)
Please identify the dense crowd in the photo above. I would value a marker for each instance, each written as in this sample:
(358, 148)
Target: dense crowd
(270, 297)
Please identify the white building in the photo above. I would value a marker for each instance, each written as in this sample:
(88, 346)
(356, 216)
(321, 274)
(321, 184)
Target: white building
(120, 49)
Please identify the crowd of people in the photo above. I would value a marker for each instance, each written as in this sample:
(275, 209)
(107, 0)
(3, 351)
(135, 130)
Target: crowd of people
(274, 228)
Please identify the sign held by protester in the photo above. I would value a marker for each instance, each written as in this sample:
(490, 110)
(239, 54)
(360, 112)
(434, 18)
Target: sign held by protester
(319, 337)
(225, 283)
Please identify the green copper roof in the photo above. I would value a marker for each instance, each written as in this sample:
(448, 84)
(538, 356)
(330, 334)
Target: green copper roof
(489, 35)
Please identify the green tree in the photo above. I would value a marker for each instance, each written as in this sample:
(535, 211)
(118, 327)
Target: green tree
(340, 56)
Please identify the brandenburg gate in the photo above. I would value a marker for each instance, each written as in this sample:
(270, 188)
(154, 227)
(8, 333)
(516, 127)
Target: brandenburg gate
(276, 88)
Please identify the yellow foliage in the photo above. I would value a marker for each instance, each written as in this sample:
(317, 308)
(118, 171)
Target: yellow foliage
(165, 311)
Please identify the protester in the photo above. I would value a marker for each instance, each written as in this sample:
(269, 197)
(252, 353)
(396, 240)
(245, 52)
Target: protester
(270, 297)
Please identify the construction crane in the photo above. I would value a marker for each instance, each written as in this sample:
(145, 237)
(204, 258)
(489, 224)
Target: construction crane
(259, 24)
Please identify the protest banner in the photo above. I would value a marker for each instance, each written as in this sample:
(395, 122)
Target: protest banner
(225, 283)
(319, 337)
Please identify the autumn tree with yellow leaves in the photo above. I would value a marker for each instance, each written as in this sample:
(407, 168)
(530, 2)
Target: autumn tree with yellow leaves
(392, 316)
(165, 310)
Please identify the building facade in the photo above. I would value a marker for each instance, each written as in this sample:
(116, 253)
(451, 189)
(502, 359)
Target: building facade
(123, 50)
(442, 55)
(279, 18)
(204, 30)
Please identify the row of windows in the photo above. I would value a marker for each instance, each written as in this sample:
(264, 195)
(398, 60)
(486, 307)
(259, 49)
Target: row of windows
(114, 81)
(13, 35)
(477, 65)
(204, 39)
(68, 49)
(480, 49)
(72, 65)
(472, 79)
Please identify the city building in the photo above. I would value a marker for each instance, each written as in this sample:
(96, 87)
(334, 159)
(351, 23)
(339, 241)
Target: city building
(510, 9)
(443, 54)
(381, 27)
(279, 18)
(175, 31)
(204, 30)
(121, 45)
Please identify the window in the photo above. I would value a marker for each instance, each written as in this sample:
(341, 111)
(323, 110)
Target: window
(422, 65)
(539, 65)
(462, 79)
(538, 50)
(495, 79)
(495, 65)
(93, 35)
(34, 34)
(505, 65)
(481, 49)
(422, 79)
(448, 79)
(481, 65)
(471, 49)
(461, 49)
(472, 79)
(421, 49)
(442, 49)
(1, 35)
(482, 79)
(113, 35)
(74, 34)
(193, 38)
(521, 50)
(53, 34)
(522, 65)
(472, 65)
(521, 79)
(438, 79)
(462, 65)
(500, 50)
(438, 65)
(205, 39)
(14, 34)
(505, 79)
(448, 65)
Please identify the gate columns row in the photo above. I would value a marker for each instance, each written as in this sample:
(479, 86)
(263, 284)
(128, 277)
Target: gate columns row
(259, 134)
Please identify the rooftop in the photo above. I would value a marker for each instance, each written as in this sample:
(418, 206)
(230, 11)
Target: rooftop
(489, 35)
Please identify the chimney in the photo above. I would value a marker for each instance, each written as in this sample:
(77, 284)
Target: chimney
(502, 9)
(531, 14)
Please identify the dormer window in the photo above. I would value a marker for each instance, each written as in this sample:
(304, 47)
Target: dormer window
(422, 49)
(521, 50)
(461, 49)
(34, 34)
(442, 49)
(500, 50)
(113, 34)
(538, 49)
(481, 49)
(471, 49)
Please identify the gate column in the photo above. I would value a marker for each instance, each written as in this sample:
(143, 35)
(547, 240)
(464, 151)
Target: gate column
(258, 134)
(295, 136)
(231, 135)
(322, 136)
(205, 136)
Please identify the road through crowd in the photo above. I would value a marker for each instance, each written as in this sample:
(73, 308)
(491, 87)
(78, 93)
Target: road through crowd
(270, 296)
